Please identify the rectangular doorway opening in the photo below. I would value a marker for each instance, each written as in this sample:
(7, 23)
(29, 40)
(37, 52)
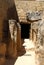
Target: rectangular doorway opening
(25, 30)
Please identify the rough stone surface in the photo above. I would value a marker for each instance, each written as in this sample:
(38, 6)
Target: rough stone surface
(15, 32)
(33, 16)
(25, 6)
(40, 43)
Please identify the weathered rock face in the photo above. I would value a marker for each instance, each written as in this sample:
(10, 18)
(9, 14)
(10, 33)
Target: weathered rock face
(3, 15)
(40, 42)
(27, 6)
(7, 11)
(38, 28)
(41, 32)
(15, 42)
(13, 29)
(33, 16)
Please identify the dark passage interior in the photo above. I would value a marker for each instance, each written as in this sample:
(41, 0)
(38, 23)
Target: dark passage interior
(25, 30)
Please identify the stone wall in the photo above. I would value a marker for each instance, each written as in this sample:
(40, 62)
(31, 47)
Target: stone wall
(27, 6)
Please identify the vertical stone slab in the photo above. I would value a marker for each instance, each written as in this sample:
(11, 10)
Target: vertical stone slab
(18, 37)
(12, 50)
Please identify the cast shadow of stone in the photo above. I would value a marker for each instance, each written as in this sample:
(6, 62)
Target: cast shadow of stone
(10, 61)
(22, 50)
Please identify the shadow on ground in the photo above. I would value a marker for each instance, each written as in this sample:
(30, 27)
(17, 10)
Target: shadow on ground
(22, 51)
(10, 61)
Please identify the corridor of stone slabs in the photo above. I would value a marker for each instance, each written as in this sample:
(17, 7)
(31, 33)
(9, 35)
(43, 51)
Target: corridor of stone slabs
(29, 57)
